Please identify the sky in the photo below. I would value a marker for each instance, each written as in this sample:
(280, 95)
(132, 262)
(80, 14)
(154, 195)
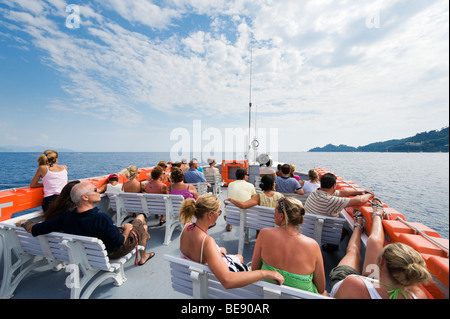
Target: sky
(149, 75)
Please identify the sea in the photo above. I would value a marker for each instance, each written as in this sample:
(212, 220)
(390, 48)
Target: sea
(414, 184)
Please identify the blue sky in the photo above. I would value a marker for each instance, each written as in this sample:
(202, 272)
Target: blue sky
(132, 72)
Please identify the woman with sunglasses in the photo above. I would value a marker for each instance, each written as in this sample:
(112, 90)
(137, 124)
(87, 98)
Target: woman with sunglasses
(285, 250)
(196, 245)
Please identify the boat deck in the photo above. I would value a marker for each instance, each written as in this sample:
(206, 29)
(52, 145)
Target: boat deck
(152, 280)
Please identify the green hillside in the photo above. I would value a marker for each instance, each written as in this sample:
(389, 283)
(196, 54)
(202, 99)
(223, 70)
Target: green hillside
(433, 141)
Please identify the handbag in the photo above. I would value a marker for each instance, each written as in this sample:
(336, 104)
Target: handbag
(234, 266)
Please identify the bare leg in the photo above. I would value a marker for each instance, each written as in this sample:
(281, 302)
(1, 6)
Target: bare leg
(374, 245)
(352, 257)
(144, 255)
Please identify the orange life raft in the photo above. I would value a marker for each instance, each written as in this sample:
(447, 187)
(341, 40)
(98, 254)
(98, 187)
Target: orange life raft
(426, 241)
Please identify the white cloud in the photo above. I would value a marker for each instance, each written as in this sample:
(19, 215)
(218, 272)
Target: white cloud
(313, 61)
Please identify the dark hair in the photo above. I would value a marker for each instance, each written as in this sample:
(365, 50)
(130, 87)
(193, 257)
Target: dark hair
(328, 180)
(286, 169)
(156, 172)
(177, 175)
(267, 182)
(62, 204)
(240, 173)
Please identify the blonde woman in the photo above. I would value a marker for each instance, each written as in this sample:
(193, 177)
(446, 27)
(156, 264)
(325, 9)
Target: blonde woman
(54, 177)
(198, 246)
(283, 249)
(399, 268)
(313, 183)
(132, 185)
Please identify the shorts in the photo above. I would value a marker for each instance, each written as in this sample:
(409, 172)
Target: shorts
(130, 243)
(340, 273)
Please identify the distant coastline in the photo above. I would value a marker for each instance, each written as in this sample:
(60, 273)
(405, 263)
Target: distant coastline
(429, 142)
(39, 149)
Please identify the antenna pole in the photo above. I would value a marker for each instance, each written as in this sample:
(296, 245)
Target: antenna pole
(250, 96)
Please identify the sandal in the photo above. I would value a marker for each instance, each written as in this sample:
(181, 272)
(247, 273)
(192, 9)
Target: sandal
(376, 206)
(359, 220)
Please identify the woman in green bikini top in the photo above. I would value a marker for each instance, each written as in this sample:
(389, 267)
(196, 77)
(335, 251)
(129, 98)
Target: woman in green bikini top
(295, 256)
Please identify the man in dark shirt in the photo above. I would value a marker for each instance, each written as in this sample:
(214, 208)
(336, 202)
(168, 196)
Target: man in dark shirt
(87, 220)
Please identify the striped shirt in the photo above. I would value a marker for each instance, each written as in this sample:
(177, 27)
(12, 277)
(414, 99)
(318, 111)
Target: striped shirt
(320, 202)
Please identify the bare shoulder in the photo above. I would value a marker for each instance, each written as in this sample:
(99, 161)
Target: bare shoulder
(352, 288)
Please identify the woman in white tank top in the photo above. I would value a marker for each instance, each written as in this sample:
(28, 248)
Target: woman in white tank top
(54, 177)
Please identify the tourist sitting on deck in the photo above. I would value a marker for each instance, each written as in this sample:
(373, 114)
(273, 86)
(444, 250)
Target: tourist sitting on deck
(268, 197)
(196, 245)
(240, 189)
(54, 177)
(287, 184)
(62, 204)
(283, 249)
(313, 183)
(399, 268)
(112, 185)
(184, 165)
(179, 187)
(266, 169)
(328, 201)
(292, 166)
(212, 169)
(193, 175)
(155, 186)
(87, 220)
(165, 177)
(132, 185)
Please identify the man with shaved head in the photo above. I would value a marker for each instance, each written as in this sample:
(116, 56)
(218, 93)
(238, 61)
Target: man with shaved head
(87, 220)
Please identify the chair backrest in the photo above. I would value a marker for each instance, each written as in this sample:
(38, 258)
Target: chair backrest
(323, 229)
(301, 198)
(259, 217)
(196, 280)
(89, 249)
(25, 241)
(202, 188)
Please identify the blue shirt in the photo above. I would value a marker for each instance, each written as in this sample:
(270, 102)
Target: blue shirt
(194, 176)
(90, 223)
(286, 184)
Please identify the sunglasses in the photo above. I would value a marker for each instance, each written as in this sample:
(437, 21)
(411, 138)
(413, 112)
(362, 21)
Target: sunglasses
(95, 191)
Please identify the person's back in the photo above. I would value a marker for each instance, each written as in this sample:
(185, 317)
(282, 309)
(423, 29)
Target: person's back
(320, 202)
(297, 257)
(286, 184)
(92, 223)
(309, 187)
(241, 190)
(269, 201)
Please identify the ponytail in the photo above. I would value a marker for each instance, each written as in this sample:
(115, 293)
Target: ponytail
(205, 203)
(49, 157)
(405, 265)
(187, 210)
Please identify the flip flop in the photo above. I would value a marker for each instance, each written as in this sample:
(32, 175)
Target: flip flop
(152, 254)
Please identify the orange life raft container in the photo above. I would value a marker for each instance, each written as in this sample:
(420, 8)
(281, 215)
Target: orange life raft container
(229, 169)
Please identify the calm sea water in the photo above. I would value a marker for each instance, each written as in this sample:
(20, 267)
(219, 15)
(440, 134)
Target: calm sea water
(415, 184)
